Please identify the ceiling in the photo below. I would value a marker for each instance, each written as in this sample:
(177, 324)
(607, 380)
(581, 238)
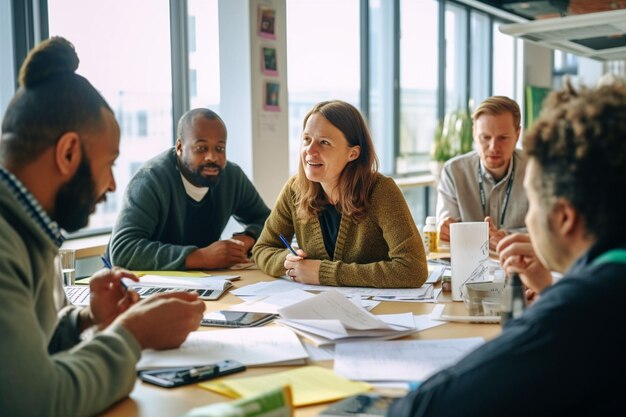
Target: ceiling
(542, 9)
(591, 28)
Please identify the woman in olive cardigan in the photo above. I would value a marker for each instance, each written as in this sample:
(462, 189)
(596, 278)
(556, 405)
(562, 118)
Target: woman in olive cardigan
(352, 224)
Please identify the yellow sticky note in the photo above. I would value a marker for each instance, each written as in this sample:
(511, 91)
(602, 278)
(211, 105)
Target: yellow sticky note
(309, 385)
(181, 274)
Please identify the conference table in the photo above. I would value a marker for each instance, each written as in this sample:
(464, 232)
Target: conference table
(147, 400)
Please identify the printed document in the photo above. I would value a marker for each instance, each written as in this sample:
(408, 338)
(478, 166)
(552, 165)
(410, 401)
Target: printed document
(400, 360)
(252, 347)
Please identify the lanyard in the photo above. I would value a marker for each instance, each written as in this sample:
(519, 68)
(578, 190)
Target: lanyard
(614, 255)
(505, 203)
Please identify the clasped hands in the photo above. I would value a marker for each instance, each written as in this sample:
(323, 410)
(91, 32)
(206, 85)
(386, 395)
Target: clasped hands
(300, 269)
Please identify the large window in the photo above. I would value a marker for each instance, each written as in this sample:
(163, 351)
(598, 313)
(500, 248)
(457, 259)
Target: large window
(7, 78)
(504, 63)
(127, 58)
(480, 57)
(456, 58)
(418, 83)
(204, 54)
(405, 63)
(322, 58)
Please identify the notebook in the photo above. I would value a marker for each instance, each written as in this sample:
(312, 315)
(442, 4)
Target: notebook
(79, 294)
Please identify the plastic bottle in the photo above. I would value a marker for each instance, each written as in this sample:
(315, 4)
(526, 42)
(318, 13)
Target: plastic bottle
(429, 235)
(513, 300)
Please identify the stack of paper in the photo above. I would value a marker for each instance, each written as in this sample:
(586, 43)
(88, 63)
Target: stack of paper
(331, 318)
(254, 346)
(215, 282)
(272, 303)
(425, 293)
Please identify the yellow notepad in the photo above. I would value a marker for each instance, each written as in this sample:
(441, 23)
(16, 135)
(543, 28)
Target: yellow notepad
(182, 274)
(309, 385)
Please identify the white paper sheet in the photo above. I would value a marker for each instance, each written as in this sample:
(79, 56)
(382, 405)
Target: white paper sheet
(331, 318)
(281, 285)
(254, 346)
(437, 314)
(271, 303)
(332, 305)
(401, 360)
(211, 282)
(320, 353)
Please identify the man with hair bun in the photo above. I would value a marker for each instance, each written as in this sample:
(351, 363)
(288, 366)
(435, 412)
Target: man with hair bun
(58, 145)
(564, 354)
(486, 184)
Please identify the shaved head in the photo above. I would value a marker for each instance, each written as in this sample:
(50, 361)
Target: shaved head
(186, 121)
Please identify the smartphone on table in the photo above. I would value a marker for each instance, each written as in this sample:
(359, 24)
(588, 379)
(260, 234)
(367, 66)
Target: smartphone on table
(176, 377)
(228, 318)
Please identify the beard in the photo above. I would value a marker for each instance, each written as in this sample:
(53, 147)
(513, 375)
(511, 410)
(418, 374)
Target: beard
(77, 199)
(195, 176)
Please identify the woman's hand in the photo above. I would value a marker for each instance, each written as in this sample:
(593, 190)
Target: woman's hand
(300, 269)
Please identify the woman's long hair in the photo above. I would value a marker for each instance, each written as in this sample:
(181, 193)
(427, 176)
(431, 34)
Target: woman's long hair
(357, 178)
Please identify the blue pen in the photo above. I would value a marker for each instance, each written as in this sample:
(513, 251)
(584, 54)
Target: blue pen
(107, 264)
(287, 244)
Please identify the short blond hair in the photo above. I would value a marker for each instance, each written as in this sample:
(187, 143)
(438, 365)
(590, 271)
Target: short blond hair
(496, 105)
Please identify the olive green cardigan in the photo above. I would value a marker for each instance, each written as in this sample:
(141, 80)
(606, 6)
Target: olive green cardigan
(383, 250)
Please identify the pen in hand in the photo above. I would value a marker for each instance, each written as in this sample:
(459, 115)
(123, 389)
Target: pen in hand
(107, 264)
(287, 244)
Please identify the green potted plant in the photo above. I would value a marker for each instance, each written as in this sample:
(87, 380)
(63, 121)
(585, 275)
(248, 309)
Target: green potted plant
(453, 136)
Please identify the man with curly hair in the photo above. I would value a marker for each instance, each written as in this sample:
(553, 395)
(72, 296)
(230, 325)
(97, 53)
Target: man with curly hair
(562, 355)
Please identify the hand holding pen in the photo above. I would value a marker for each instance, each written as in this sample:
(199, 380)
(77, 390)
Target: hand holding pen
(288, 245)
(107, 264)
(109, 296)
(298, 267)
(291, 249)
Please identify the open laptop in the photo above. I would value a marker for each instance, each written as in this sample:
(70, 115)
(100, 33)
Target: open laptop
(208, 288)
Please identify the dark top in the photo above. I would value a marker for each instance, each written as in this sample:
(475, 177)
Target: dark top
(560, 358)
(329, 222)
(198, 231)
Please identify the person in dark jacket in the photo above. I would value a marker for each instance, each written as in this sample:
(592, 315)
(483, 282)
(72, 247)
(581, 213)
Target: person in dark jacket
(564, 354)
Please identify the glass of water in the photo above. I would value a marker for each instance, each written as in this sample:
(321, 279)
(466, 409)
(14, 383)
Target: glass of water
(67, 259)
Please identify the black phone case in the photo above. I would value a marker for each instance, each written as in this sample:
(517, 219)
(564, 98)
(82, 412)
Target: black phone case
(169, 377)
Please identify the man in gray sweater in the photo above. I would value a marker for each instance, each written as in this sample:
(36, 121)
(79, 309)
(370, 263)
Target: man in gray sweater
(59, 142)
(177, 205)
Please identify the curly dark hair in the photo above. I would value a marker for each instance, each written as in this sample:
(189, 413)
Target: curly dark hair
(579, 142)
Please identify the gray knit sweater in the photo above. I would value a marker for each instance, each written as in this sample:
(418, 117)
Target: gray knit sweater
(73, 379)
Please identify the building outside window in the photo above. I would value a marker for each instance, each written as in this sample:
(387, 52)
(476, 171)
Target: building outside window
(130, 65)
(323, 59)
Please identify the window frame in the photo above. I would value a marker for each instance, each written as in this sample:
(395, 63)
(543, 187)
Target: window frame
(30, 26)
